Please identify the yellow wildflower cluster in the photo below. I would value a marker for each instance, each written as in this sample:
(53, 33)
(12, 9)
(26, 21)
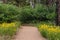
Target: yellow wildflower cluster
(52, 32)
(5, 25)
(9, 28)
(49, 28)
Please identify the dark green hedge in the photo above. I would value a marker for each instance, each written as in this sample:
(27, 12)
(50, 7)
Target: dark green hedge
(39, 13)
(8, 13)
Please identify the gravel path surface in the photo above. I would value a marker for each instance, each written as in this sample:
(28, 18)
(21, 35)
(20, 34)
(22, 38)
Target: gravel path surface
(28, 33)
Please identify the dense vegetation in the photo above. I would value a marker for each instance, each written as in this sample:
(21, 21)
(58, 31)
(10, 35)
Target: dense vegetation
(51, 32)
(9, 23)
(39, 13)
(10, 13)
(14, 12)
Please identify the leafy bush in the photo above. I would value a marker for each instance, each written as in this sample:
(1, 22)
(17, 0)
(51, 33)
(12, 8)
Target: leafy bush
(8, 13)
(45, 13)
(51, 32)
(26, 14)
(39, 13)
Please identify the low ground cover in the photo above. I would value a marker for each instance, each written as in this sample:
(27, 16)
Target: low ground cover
(7, 30)
(51, 32)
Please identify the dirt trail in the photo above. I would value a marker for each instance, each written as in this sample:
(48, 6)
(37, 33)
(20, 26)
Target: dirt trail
(28, 33)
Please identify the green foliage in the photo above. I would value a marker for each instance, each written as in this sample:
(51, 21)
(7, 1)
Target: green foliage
(39, 13)
(45, 13)
(51, 32)
(18, 2)
(26, 14)
(8, 13)
(9, 28)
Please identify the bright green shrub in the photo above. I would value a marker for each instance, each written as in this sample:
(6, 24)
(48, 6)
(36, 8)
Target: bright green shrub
(8, 13)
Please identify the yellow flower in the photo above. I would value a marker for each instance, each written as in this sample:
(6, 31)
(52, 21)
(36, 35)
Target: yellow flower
(6, 25)
(50, 31)
(49, 28)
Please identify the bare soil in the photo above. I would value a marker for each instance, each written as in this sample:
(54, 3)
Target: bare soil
(28, 33)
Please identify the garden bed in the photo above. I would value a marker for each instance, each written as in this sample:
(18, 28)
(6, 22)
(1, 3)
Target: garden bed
(8, 30)
(51, 32)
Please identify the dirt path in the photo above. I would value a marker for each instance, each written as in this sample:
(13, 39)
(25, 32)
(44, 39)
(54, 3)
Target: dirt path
(28, 33)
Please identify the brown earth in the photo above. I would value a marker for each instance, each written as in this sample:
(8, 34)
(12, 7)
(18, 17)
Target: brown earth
(28, 33)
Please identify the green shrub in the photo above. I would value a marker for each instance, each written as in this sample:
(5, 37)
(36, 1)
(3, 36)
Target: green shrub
(39, 13)
(45, 13)
(26, 14)
(8, 13)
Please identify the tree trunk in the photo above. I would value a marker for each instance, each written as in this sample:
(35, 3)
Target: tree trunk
(49, 2)
(32, 3)
(58, 12)
(38, 1)
(17, 2)
(4, 1)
